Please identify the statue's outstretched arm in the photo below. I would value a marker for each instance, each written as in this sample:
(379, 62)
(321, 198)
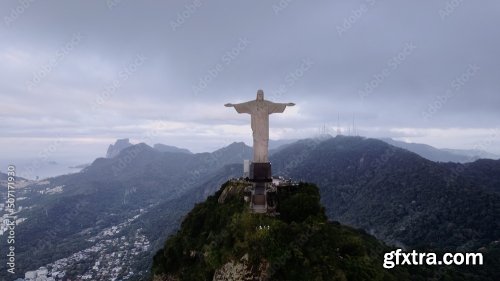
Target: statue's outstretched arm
(275, 107)
(245, 107)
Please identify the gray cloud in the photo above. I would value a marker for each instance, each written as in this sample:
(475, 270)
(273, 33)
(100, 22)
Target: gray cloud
(97, 90)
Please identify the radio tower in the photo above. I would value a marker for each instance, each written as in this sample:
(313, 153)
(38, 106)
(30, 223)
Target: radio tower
(353, 127)
(339, 133)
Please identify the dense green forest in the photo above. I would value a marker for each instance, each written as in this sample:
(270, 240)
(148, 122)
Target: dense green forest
(298, 244)
(398, 196)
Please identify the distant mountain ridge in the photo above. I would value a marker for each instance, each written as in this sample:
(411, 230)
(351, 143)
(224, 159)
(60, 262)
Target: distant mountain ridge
(4, 177)
(169, 148)
(121, 144)
(442, 155)
(109, 192)
(473, 153)
(117, 147)
(392, 193)
(397, 195)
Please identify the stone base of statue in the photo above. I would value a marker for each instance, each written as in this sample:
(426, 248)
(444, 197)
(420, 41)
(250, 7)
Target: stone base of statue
(260, 172)
(259, 198)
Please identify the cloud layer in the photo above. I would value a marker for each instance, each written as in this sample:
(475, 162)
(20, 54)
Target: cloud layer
(93, 71)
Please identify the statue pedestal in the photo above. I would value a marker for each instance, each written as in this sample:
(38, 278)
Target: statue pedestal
(260, 172)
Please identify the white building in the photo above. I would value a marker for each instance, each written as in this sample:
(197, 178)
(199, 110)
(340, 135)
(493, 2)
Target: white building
(30, 275)
(246, 168)
(42, 271)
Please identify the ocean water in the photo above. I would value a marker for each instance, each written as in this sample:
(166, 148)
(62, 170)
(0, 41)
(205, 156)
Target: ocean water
(38, 169)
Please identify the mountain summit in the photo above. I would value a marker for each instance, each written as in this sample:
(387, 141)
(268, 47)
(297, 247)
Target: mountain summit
(221, 239)
(444, 154)
(115, 149)
(169, 148)
(391, 193)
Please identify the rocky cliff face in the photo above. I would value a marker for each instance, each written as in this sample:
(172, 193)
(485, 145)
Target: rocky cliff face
(114, 149)
(241, 270)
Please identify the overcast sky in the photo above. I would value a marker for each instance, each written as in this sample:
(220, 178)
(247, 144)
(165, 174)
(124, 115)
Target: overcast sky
(76, 75)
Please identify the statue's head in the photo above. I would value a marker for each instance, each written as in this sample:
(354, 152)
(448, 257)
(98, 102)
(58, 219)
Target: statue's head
(260, 95)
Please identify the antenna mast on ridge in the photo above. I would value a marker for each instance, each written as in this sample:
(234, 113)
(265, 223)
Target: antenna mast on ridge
(353, 128)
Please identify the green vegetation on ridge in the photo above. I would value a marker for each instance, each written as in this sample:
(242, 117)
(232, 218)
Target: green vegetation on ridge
(298, 244)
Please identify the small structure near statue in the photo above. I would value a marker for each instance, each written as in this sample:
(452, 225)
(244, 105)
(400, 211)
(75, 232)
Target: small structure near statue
(260, 168)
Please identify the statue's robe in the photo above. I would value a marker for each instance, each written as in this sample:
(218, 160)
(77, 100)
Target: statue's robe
(260, 110)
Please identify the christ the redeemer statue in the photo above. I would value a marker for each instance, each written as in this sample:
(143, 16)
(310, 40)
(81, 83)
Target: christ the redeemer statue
(260, 109)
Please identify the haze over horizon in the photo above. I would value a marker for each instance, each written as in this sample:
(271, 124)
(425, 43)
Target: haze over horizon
(78, 75)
